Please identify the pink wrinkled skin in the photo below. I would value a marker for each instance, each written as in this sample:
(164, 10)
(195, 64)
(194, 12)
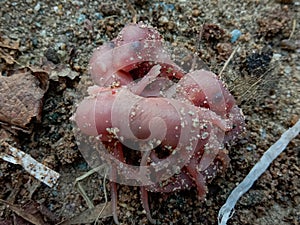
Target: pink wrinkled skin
(134, 76)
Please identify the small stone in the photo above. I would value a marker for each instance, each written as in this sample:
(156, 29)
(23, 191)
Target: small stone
(34, 42)
(287, 70)
(235, 34)
(37, 7)
(63, 46)
(81, 19)
(52, 55)
(276, 56)
(55, 8)
(289, 45)
(13, 36)
(196, 12)
(43, 33)
(294, 119)
(163, 20)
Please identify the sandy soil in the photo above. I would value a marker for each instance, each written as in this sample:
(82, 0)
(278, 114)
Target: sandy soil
(263, 74)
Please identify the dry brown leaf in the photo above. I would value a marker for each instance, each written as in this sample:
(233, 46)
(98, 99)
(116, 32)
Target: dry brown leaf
(9, 44)
(5, 135)
(32, 212)
(8, 58)
(8, 50)
(21, 98)
(29, 214)
(6, 222)
(41, 75)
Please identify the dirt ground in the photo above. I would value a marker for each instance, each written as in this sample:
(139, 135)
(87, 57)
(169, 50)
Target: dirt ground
(52, 41)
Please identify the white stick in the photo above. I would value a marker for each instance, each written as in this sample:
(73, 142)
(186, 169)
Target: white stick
(260, 167)
(36, 169)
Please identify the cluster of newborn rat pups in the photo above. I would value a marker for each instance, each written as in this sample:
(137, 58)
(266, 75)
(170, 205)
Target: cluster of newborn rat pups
(163, 128)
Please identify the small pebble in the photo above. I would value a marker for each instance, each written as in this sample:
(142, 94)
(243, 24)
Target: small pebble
(38, 24)
(163, 20)
(251, 147)
(235, 34)
(37, 7)
(294, 119)
(289, 45)
(34, 42)
(287, 70)
(276, 56)
(81, 19)
(13, 36)
(55, 8)
(52, 55)
(79, 3)
(165, 7)
(196, 12)
(263, 133)
(43, 33)
(98, 16)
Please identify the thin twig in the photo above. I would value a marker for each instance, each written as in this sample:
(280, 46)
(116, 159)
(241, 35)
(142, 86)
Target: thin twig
(255, 83)
(80, 188)
(105, 197)
(132, 10)
(228, 60)
(293, 29)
